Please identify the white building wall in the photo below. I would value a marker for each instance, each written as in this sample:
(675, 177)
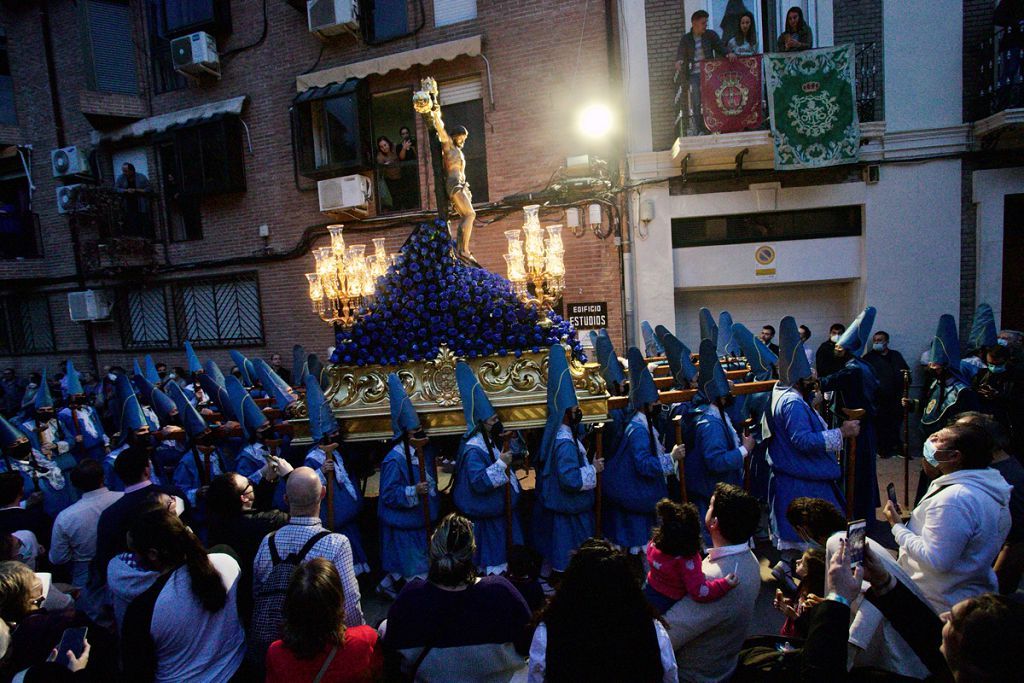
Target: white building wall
(990, 190)
(923, 90)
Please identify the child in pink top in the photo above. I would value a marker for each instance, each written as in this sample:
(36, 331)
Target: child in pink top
(673, 555)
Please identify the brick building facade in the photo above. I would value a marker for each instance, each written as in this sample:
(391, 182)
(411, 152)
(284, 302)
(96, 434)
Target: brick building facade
(528, 84)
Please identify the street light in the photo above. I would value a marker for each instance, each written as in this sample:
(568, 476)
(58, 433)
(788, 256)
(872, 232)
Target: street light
(595, 121)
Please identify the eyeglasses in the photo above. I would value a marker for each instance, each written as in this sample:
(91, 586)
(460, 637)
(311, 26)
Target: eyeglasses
(38, 602)
(247, 491)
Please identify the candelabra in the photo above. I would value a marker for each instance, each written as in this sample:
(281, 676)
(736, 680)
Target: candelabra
(536, 267)
(345, 278)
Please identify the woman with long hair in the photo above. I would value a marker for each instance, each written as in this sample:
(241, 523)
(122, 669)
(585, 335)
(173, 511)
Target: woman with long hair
(796, 35)
(316, 641)
(390, 172)
(185, 626)
(744, 43)
(599, 627)
(455, 626)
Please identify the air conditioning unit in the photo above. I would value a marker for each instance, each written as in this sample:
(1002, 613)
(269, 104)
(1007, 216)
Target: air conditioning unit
(345, 193)
(68, 200)
(68, 162)
(195, 55)
(333, 17)
(88, 306)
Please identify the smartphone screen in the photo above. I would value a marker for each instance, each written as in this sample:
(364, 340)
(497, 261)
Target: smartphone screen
(890, 490)
(74, 640)
(856, 533)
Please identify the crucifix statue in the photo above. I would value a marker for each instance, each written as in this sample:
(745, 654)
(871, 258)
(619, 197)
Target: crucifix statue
(453, 162)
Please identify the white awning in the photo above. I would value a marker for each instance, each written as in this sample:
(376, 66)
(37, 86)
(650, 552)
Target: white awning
(161, 122)
(382, 65)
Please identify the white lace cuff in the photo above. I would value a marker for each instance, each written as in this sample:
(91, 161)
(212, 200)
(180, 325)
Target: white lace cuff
(833, 440)
(411, 497)
(497, 473)
(589, 476)
(668, 465)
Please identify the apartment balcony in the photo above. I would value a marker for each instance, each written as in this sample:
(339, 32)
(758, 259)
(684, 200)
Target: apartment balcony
(998, 105)
(696, 151)
(117, 228)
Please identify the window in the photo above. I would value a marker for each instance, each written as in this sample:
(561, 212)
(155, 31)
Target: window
(453, 11)
(106, 27)
(182, 211)
(188, 16)
(207, 157)
(25, 324)
(384, 19)
(840, 221)
(142, 316)
(19, 226)
(461, 105)
(219, 311)
(165, 78)
(7, 113)
(332, 130)
(397, 165)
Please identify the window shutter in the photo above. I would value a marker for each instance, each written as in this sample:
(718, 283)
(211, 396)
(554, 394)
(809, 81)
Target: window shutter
(462, 90)
(453, 11)
(108, 27)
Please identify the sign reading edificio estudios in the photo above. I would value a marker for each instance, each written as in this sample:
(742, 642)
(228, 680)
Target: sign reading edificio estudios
(588, 316)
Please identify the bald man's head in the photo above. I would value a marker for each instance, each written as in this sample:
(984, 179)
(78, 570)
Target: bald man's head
(303, 492)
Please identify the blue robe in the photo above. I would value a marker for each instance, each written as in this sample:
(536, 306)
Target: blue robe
(348, 501)
(403, 540)
(65, 461)
(479, 493)
(802, 457)
(94, 447)
(187, 476)
(568, 482)
(855, 386)
(715, 457)
(56, 489)
(249, 463)
(633, 483)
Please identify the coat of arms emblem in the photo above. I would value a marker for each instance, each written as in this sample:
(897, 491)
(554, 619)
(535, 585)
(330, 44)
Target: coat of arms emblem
(731, 95)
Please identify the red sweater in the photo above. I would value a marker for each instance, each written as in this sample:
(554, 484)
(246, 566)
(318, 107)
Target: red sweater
(675, 577)
(359, 659)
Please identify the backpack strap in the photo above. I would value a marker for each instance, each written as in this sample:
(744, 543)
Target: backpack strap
(138, 650)
(327, 663)
(275, 558)
(313, 540)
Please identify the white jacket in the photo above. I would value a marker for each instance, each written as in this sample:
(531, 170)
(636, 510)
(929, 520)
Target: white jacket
(954, 535)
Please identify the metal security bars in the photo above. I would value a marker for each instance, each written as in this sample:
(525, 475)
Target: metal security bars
(25, 324)
(142, 315)
(219, 311)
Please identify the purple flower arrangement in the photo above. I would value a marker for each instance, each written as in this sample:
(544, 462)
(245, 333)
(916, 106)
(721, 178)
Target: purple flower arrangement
(428, 298)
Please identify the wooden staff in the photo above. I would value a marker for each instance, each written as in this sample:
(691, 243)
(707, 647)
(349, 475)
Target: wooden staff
(851, 460)
(328, 449)
(906, 441)
(598, 495)
(506, 441)
(682, 395)
(417, 445)
(207, 464)
(677, 421)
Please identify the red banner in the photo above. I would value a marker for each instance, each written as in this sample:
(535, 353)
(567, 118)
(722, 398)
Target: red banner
(730, 94)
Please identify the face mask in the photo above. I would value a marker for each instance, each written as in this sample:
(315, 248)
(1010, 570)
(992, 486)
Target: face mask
(878, 347)
(929, 454)
(112, 377)
(576, 417)
(1003, 342)
(172, 376)
(996, 369)
(497, 429)
(834, 338)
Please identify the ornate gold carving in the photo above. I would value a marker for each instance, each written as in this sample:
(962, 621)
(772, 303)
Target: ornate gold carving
(439, 379)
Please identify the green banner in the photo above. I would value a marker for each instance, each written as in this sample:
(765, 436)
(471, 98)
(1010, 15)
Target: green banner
(813, 106)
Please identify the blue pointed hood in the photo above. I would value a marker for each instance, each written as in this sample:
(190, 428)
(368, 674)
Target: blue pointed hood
(321, 418)
(711, 381)
(213, 371)
(983, 329)
(131, 417)
(136, 368)
(191, 420)
(708, 328)
(43, 399)
(9, 434)
(683, 369)
(315, 368)
(475, 405)
(278, 389)
(74, 382)
(652, 347)
(946, 344)
(759, 356)
(194, 365)
(144, 388)
(561, 397)
(660, 331)
(249, 414)
(726, 345)
(403, 415)
(299, 367)
(151, 373)
(858, 333)
(245, 367)
(642, 389)
(793, 365)
(162, 404)
(217, 394)
(593, 339)
(611, 368)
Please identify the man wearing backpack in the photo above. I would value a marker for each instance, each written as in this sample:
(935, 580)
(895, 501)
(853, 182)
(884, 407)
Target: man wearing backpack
(300, 540)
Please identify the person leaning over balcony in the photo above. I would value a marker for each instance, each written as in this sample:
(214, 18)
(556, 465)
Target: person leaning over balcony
(797, 35)
(694, 47)
(134, 186)
(744, 43)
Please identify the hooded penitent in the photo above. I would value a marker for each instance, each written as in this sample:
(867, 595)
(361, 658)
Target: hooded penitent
(708, 328)
(726, 344)
(642, 389)
(611, 368)
(249, 415)
(278, 389)
(151, 372)
(299, 367)
(129, 410)
(945, 348)
(475, 404)
(245, 368)
(561, 397)
(74, 382)
(652, 347)
(759, 356)
(191, 420)
(43, 399)
(983, 329)
(711, 381)
(403, 414)
(856, 336)
(194, 365)
(793, 365)
(321, 418)
(678, 356)
(9, 434)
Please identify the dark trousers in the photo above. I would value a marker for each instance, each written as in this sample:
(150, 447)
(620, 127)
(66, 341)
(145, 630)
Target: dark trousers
(887, 425)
